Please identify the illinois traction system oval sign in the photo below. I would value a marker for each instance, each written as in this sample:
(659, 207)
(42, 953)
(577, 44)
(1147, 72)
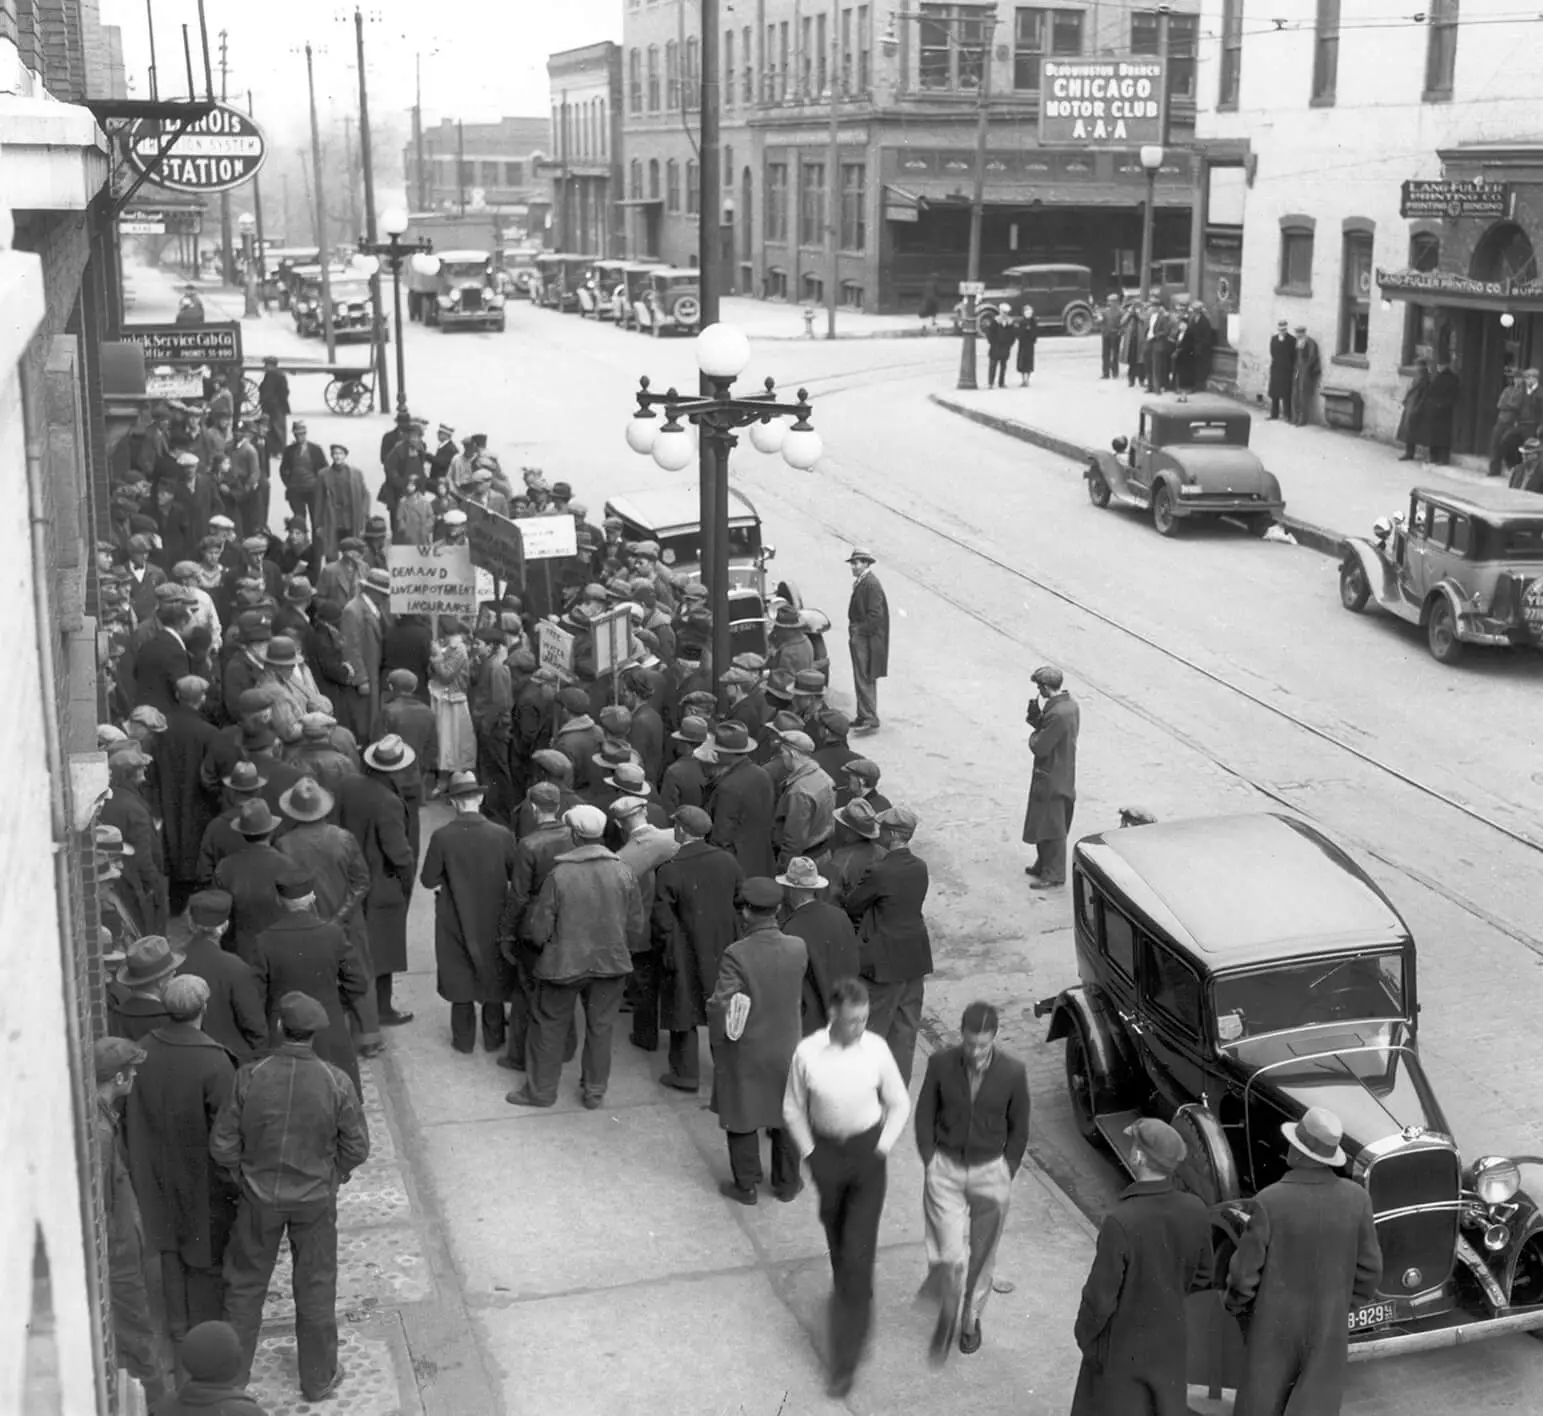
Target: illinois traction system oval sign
(221, 150)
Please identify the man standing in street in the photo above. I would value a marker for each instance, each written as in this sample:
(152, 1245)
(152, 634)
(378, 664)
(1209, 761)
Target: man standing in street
(586, 923)
(1309, 1256)
(291, 1132)
(828, 936)
(1154, 1250)
(140, 1008)
(470, 864)
(1305, 369)
(972, 1128)
(1283, 358)
(341, 505)
(299, 467)
(365, 622)
(273, 400)
(191, 757)
(895, 948)
(844, 1108)
(186, 1204)
(1109, 324)
(754, 1022)
(251, 876)
(1047, 821)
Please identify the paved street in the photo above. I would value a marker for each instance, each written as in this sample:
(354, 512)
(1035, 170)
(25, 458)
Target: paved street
(1215, 673)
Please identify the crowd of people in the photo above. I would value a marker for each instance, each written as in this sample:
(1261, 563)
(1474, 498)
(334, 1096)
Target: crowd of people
(1164, 346)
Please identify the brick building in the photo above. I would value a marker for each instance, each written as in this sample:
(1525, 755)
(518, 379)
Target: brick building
(58, 289)
(907, 90)
(1311, 132)
(586, 164)
(493, 166)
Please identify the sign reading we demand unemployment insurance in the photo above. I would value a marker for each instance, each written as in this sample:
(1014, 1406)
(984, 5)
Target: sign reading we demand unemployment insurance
(1100, 102)
(432, 580)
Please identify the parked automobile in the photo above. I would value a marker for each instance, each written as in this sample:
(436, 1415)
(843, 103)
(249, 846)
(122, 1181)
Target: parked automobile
(562, 275)
(1062, 296)
(305, 296)
(1236, 971)
(595, 293)
(352, 316)
(464, 293)
(630, 291)
(519, 272)
(1188, 459)
(672, 301)
(278, 261)
(1467, 568)
(672, 517)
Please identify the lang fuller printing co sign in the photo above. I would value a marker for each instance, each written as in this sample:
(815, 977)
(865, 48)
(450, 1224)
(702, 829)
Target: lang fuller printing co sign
(221, 150)
(1100, 102)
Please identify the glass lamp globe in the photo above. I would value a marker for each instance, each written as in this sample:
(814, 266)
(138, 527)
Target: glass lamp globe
(722, 352)
(425, 263)
(643, 431)
(1151, 157)
(393, 221)
(802, 448)
(673, 448)
(768, 437)
(366, 265)
(247, 222)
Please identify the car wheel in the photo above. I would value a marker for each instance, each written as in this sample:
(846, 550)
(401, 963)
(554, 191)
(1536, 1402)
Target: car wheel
(1079, 321)
(1081, 1088)
(1354, 592)
(1098, 488)
(1164, 518)
(1259, 526)
(1441, 633)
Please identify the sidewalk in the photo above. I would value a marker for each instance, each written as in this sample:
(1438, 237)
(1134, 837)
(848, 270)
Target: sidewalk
(1335, 484)
(784, 319)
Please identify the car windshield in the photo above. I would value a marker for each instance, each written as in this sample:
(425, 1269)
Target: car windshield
(685, 549)
(680, 282)
(351, 291)
(463, 270)
(1316, 991)
(1521, 541)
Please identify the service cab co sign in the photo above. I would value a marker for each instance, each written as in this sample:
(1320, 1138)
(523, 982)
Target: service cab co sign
(221, 150)
(1100, 102)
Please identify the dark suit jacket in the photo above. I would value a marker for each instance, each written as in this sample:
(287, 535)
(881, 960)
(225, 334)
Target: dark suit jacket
(134, 1015)
(142, 598)
(252, 876)
(160, 662)
(832, 944)
(234, 1016)
(888, 900)
(406, 646)
(992, 1124)
(868, 623)
(743, 805)
(299, 952)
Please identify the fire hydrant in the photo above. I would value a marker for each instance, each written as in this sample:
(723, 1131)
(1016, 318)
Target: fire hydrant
(808, 321)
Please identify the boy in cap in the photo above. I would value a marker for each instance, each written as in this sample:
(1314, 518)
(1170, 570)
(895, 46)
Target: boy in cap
(1154, 1250)
(211, 1356)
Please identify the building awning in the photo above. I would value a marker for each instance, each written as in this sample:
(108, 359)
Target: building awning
(53, 155)
(1444, 287)
(942, 192)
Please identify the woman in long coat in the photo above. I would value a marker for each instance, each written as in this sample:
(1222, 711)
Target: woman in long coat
(1028, 336)
(1414, 421)
(449, 679)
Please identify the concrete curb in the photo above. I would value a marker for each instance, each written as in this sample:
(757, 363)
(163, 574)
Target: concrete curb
(1315, 538)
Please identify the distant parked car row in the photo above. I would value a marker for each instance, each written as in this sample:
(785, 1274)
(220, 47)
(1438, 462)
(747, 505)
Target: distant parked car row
(638, 295)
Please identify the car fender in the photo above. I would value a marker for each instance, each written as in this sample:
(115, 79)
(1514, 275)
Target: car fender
(1114, 472)
(1529, 1231)
(1210, 1169)
(1074, 1008)
(1443, 590)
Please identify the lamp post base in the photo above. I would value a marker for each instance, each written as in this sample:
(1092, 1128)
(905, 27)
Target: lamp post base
(967, 366)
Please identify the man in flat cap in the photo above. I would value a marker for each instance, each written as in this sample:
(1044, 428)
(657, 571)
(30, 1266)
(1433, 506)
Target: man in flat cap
(290, 1133)
(896, 950)
(1056, 721)
(233, 1015)
(806, 801)
(1154, 1250)
(299, 468)
(341, 502)
(868, 638)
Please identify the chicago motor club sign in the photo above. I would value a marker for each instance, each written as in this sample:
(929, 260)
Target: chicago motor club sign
(221, 150)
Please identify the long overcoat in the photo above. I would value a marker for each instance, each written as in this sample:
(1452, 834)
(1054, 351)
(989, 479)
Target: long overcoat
(340, 506)
(1154, 1249)
(252, 877)
(364, 629)
(1283, 362)
(868, 627)
(234, 1016)
(185, 1204)
(743, 805)
(144, 871)
(377, 816)
(750, 1074)
(301, 953)
(191, 757)
(693, 922)
(1414, 421)
(470, 863)
(831, 941)
(1053, 787)
(1309, 1255)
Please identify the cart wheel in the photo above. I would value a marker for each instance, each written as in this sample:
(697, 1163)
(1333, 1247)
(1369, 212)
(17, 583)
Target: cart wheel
(346, 397)
(249, 393)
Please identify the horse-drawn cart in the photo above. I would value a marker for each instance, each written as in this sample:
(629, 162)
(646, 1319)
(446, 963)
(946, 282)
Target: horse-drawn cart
(350, 389)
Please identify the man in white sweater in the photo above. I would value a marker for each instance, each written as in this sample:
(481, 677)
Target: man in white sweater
(845, 1107)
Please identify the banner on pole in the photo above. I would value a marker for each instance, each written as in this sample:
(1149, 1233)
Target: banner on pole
(613, 639)
(556, 648)
(432, 580)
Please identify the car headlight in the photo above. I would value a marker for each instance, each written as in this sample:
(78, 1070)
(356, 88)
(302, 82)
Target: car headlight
(446, 303)
(496, 303)
(1496, 1179)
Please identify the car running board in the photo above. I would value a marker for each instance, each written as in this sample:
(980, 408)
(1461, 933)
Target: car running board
(1111, 1126)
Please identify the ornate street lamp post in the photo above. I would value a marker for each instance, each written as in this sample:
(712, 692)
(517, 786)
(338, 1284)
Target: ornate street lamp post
(248, 224)
(391, 253)
(722, 353)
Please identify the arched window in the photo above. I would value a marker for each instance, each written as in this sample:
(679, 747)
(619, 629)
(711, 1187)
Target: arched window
(634, 81)
(1355, 286)
(653, 78)
(605, 137)
(693, 189)
(635, 180)
(672, 76)
(653, 179)
(672, 185)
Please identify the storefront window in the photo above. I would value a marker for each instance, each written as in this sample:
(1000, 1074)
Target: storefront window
(1355, 293)
(854, 207)
(1420, 320)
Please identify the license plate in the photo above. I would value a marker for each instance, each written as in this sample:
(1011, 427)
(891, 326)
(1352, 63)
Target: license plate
(1372, 1315)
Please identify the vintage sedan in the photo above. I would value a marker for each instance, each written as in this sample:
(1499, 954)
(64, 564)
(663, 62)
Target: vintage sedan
(561, 275)
(1236, 971)
(672, 302)
(1466, 567)
(630, 291)
(595, 294)
(1188, 459)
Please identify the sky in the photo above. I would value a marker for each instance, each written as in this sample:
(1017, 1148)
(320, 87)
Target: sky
(480, 60)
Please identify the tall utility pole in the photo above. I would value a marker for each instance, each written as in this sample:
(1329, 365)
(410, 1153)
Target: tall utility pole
(321, 215)
(832, 173)
(460, 162)
(967, 351)
(310, 201)
(257, 212)
(713, 471)
(227, 256)
(423, 198)
(350, 167)
(1149, 215)
(377, 338)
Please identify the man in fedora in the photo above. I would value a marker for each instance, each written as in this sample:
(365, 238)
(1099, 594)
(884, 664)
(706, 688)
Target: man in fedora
(806, 801)
(247, 666)
(1056, 720)
(291, 1132)
(293, 689)
(366, 619)
(127, 809)
(377, 536)
(233, 1015)
(1154, 1250)
(685, 780)
(1309, 1256)
(896, 949)
(855, 847)
(746, 699)
(470, 864)
(221, 838)
(790, 646)
(828, 935)
(341, 503)
(743, 801)
(140, 1007)
(972, 1128)
(191, 758)
(251, 876)
(868, 639)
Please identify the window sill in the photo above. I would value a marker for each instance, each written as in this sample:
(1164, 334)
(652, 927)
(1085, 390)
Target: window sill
(1296, 292)
(1351, 361)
